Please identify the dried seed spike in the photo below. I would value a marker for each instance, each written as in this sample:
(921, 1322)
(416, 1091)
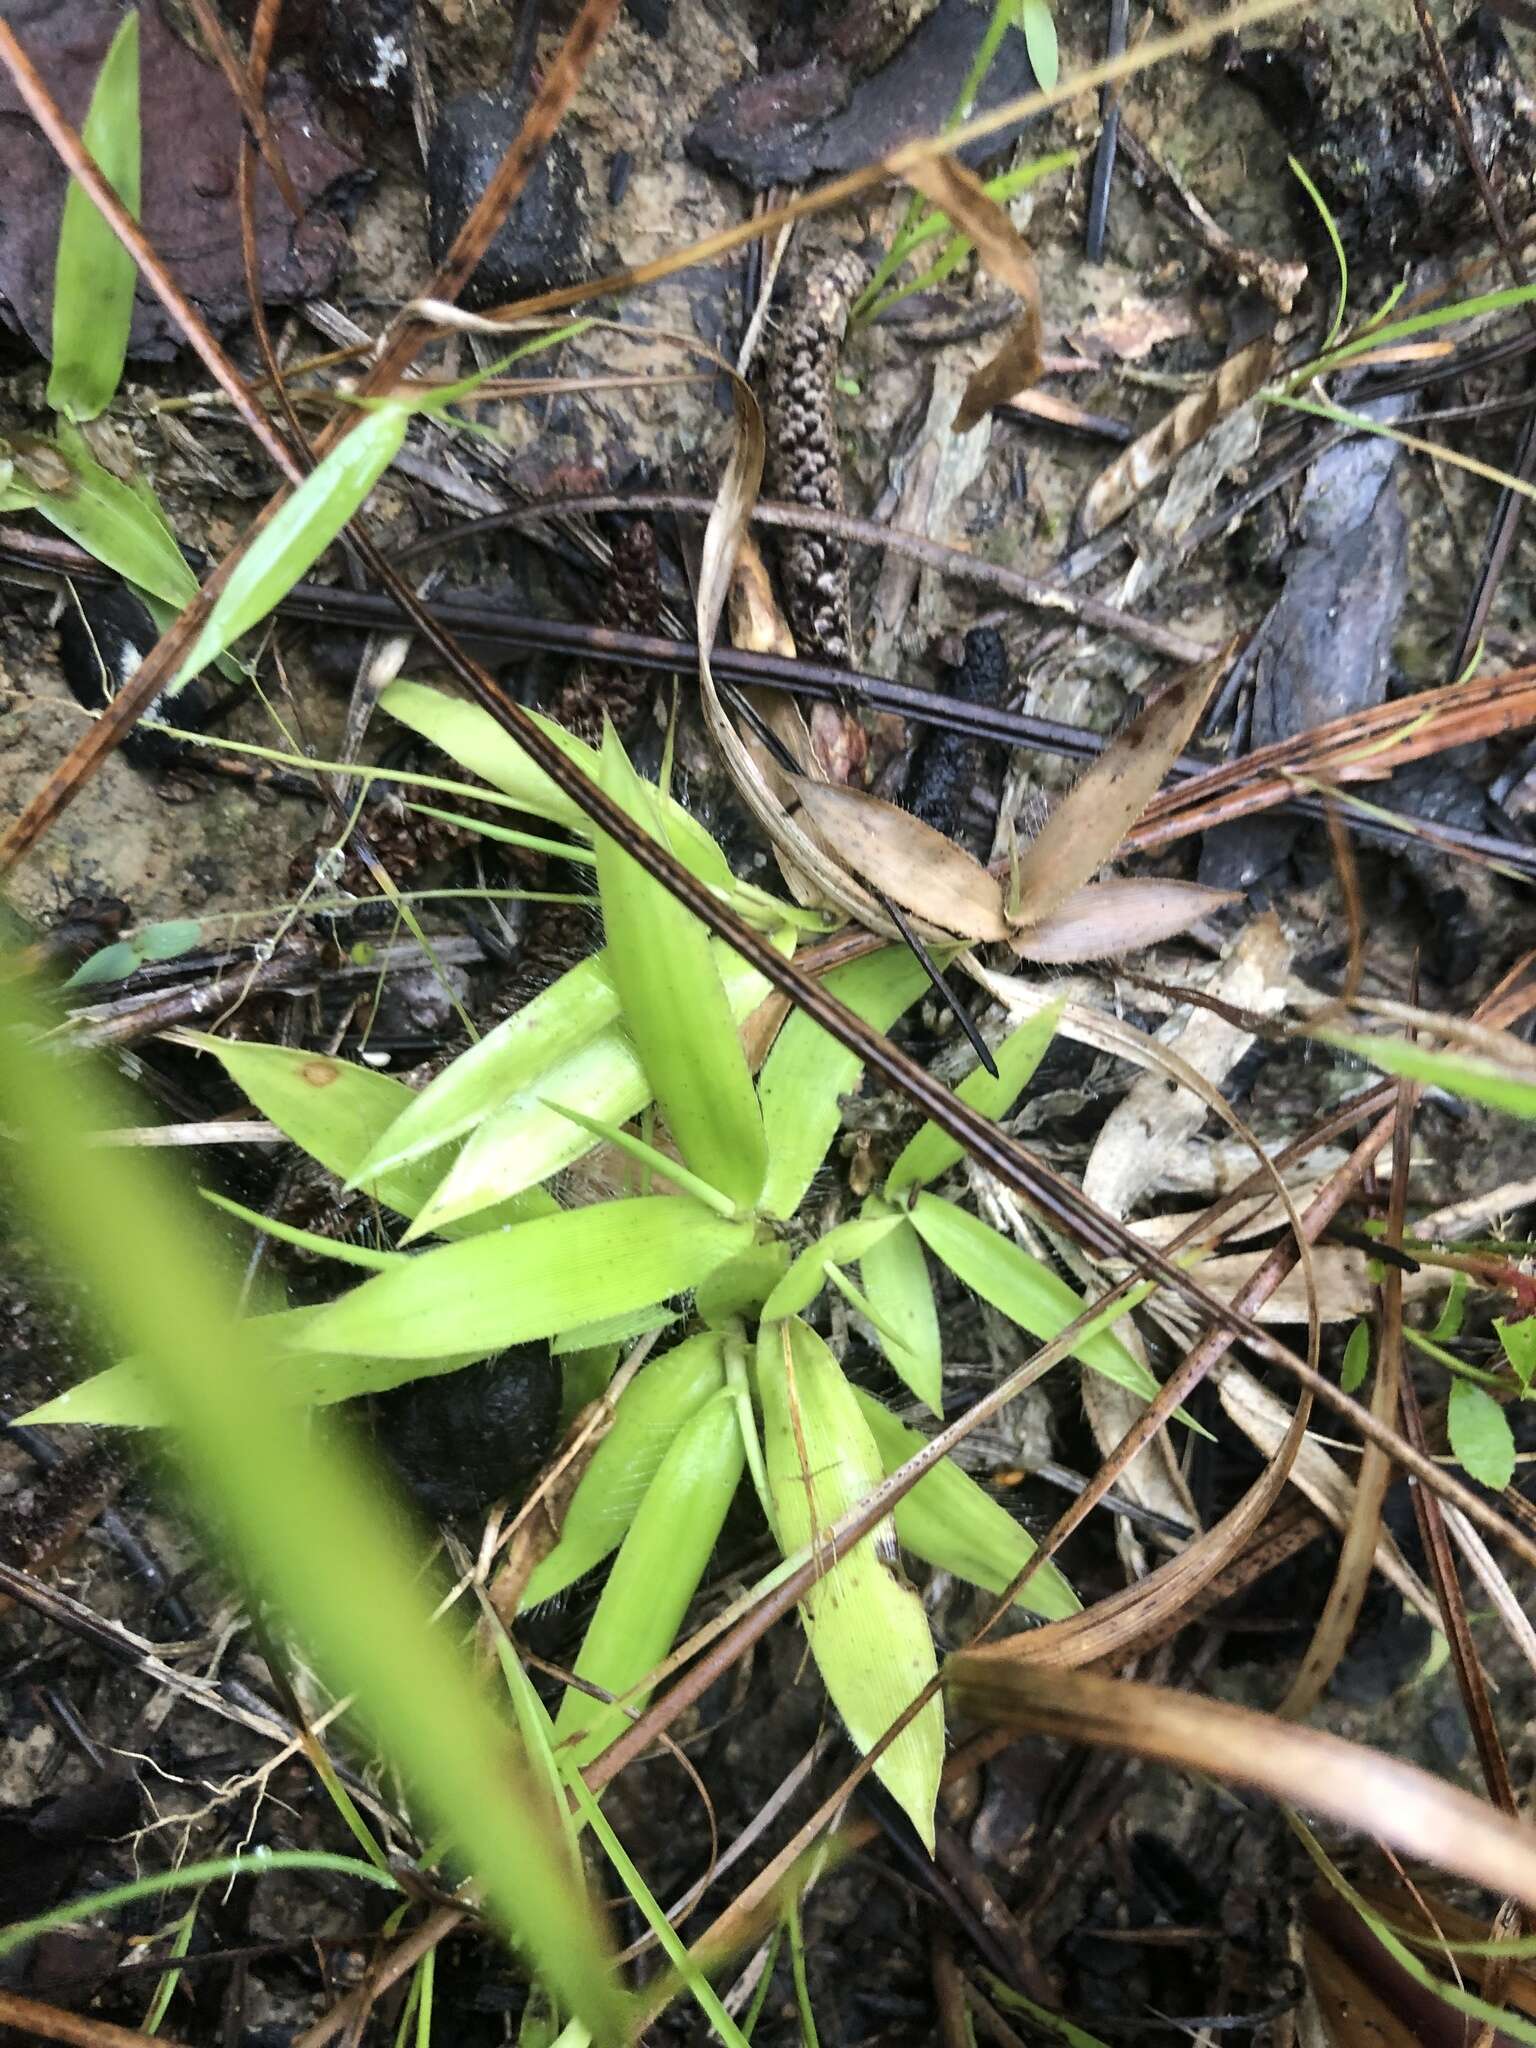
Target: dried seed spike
(804, 466)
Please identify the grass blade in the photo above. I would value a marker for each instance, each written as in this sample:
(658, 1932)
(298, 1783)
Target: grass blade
(94, 276)
(896, 1279)
(865, 1625)
(337, 1565)
(532, 1281)
(932, 1151)
(675, 1006)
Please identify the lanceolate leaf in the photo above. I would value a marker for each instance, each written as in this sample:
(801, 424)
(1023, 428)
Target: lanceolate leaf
(655, 1575)
(1092, 819)
(130, 1394)
(299, 533)
(807, 1276)
(105, 516)
(94, 276)
(912, 863)
(866, 1626)
(475, 740)
(517, 1052)
(526, 1141)
(933, 1151)
(513, 1286)
(648, 1415)
(675, 1007)
(949, 1521)
(808, 1073)
(1024, 1289)
(332, 1109)
(894, 1271)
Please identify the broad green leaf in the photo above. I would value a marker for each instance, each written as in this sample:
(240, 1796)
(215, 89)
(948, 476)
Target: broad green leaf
(1481, 1437)
(896, 1279)
(949, 1521)
(806, 1075)
(167, 940)
(532, 1281)
(333, 1110)
(865, 1625)
(526, 1141)
(932, 1151)
(308, 1528)
(1022, 1288)
(743, 1284)
(129, 1394)
(94, 276)
(299, 532)
(106, 517)
(808, 1275)
(1039, 26)
(655, 1575)
(474, 739)
(111, 963)
(647, 1416)
(517, 1052)
(674, 1005)
(1518, 1338)
(1357, 1359)
(1458, 1073)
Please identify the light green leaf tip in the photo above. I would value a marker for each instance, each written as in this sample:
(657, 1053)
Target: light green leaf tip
(94, 276)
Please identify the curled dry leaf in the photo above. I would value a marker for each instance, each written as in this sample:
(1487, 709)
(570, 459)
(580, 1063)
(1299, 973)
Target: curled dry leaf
(1138, 467)
(1359, 1787)
(911, 863)
(1007, 255)
(1105, 919)
(1091, 820)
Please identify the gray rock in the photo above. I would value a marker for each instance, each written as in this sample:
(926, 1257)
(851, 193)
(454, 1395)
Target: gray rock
(543, 241)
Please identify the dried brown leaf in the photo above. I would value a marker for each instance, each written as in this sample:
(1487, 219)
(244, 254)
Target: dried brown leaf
(1003, 251)
(1381, 1797)
(1091, 820)
(907, 860)
(1104, 919)
(1138, 467)
(756, 621)
(1005, 374)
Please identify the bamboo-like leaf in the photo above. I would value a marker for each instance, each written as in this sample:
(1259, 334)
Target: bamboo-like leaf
(652, 1161)
(513, 1286)
(895, 1275)
(516, 1053)
(474, 739)
(948, 1520)
(808, 1275)
(911, 863)
(647, 1416)
(932, 1151)
(94, 276)
(1509, 1087)
(655, 1575)
(808, 1073)
(1091, 820)
(1102, 920)
(1039, 26)
(866, 1627)
(299, 533)
(675, 1006)
(332, 1109)
(130, 1395)
(311, 1241)
(1021, 1288)
(525, 1141)
(103, 515)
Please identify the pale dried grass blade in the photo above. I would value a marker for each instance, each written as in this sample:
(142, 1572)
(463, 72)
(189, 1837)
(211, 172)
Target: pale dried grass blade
(1102, 920)
(1138, 467)
(907, 860)
(1091, 820)
(1381, 1797)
